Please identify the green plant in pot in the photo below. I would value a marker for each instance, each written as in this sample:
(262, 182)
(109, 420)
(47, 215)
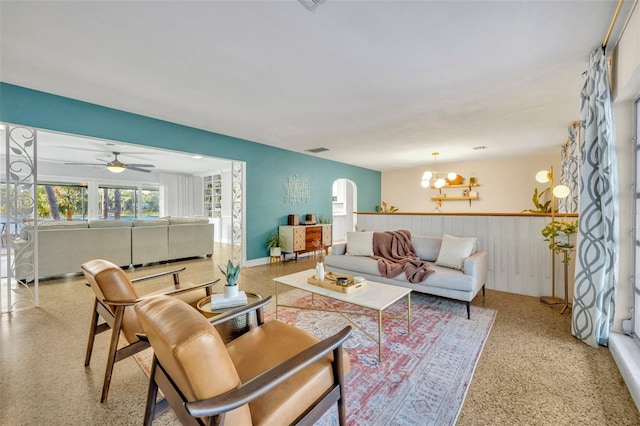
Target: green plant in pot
(561, 235)
(275, 244)
(231, 273)
(541, 207)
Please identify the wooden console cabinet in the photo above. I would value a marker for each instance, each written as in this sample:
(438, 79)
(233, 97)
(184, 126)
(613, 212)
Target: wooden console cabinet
(306, 238)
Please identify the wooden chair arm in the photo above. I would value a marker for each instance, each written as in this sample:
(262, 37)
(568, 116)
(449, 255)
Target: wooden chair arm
(175, 272)
(169, 292)
(233, 313)
(178, 289)
(267, 380)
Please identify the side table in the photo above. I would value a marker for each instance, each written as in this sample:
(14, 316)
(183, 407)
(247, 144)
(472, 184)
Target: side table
(235, 327)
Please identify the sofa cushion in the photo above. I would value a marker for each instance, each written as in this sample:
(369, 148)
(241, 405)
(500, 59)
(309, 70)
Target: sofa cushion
(185, 220)
(426, 247)
(149, 222)
(360, 243)
(52, 224)
(357, 264)
(454, 251)
(109, 223)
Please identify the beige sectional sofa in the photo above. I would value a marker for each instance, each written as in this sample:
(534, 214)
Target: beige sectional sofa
(63, 246)
(459, 274)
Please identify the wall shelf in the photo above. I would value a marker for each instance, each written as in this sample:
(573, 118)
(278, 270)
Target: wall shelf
(444, 197)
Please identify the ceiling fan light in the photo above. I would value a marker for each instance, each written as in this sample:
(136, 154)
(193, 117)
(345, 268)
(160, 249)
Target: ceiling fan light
(116, 169)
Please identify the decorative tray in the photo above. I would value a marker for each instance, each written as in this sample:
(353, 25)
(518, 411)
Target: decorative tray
(330, 279)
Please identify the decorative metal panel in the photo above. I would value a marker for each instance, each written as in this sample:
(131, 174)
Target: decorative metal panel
(19, 255)
(237, 196)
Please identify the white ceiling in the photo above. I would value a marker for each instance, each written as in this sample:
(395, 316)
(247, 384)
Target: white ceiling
(381, 84)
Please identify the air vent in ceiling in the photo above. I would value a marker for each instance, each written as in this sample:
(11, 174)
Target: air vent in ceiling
(317, 150)
(311, 4)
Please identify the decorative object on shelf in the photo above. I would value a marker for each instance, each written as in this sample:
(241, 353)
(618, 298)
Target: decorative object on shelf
(212, 185)
(433, 177)
(385, 208)
(557, 191)
(293, 220)
(325, 219)
(231, 273)
(468, 194)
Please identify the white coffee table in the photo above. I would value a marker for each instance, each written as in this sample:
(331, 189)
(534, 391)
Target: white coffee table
(376, 296)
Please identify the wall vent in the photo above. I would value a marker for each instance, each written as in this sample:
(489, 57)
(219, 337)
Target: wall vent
(311, 4)
(317, 150)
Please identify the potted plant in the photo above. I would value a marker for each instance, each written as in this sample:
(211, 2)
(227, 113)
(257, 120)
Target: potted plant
(231, 273)
(561, 235)
(275, 244)
(541, 207)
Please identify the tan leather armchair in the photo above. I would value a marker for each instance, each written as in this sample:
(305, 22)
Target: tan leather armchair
(275, 374)
(115, 297)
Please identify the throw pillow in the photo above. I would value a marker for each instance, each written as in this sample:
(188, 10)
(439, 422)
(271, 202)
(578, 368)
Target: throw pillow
(360, 243)
(454, 251)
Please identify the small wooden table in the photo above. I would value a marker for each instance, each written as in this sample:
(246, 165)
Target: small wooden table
(236, 327)
(376, 296)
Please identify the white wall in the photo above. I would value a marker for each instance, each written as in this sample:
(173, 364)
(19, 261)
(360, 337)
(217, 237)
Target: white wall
(506, 184)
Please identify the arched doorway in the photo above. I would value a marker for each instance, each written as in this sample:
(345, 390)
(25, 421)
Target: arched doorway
(345, 204)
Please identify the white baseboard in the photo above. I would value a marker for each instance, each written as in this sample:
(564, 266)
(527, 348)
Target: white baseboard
(626, 353)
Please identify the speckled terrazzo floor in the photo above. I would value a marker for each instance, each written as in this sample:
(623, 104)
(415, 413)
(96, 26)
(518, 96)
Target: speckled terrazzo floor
(531, 372)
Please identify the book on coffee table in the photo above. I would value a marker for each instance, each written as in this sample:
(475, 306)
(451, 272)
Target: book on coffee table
(218, 301)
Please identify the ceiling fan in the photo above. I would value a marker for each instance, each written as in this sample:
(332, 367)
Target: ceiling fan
(117, 166)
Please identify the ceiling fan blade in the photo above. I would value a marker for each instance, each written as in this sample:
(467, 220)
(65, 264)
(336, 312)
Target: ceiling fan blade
(139, 165)
(85, 164)
(137, 169)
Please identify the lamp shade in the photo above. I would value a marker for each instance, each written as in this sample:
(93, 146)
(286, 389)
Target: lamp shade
(439, 183)
(425, 183)
(561, 191)
(543, 176)
(427, 175)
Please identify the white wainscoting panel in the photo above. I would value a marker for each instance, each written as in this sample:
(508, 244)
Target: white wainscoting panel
(519, 258)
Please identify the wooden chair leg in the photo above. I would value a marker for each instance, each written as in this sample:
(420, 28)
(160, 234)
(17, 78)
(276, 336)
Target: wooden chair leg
(92, 333)
(339, 378)
(111, 356)
(152, 394)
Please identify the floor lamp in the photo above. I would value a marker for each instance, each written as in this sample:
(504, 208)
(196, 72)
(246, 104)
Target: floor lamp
(559, 191)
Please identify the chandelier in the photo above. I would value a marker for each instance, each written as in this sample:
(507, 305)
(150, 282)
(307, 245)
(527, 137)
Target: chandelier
(434, 177)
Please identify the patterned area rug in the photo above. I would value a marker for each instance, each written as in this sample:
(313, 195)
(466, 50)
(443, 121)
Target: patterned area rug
(423, 377)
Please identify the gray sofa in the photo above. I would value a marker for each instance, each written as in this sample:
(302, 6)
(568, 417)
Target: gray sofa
(460, 284)
(63, 246)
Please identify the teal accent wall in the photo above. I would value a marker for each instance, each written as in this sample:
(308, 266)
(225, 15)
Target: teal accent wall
(267, 168)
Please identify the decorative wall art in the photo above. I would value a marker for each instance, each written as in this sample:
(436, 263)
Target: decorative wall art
(297, 190)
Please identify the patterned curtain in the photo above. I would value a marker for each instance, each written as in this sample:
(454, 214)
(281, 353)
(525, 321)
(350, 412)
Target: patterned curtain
(596, 271)
(569, 176)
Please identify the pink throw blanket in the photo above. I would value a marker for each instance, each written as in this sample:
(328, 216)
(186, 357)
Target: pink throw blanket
(394, 252)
